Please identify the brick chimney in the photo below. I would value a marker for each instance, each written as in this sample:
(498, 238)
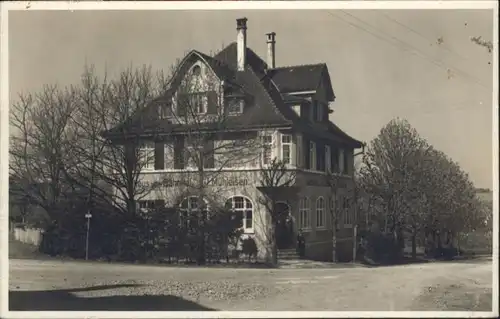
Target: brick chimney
(271, 50)
(241, 40)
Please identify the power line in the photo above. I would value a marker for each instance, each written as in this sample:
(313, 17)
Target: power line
(405, 46)
(425, 56)
(444, 47)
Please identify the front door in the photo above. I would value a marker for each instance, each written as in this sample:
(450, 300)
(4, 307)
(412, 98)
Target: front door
(284, 226)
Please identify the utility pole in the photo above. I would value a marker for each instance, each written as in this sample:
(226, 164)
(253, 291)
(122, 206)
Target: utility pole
(88, 216)
(355, 228)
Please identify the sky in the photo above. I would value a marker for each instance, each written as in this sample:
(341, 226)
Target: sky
(419, 65)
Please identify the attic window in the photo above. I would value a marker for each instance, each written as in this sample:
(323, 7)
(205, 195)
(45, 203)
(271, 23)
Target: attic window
(196, 70)
(235, 106)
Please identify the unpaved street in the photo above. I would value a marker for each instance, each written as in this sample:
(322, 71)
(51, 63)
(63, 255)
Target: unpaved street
(56, 285)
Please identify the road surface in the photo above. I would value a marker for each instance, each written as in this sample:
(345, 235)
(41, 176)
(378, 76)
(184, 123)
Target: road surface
(62, 285)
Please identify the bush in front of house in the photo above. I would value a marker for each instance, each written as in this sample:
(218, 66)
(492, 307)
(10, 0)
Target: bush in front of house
(381, 248)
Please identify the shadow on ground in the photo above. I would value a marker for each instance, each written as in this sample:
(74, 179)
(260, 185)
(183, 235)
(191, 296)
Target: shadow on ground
(65, 300)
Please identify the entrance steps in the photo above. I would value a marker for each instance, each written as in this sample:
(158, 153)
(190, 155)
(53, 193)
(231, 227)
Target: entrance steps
(288, 254)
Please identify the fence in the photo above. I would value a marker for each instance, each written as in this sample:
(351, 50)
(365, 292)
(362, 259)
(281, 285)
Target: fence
(31, 236)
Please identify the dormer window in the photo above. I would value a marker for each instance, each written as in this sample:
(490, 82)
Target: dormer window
(235, 106)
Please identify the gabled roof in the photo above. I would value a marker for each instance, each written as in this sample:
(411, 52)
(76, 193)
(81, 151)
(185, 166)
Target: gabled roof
(302, 78)
(268, 105)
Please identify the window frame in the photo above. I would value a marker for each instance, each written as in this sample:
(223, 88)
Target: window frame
(312, 156)
(347, 217)
(147, 149)
(267, 146)
(245, 209)
(289, 145)
(190, 209)
(305, 210)
(320, 211)
(328, 158)
(341, 164)
(299, 154)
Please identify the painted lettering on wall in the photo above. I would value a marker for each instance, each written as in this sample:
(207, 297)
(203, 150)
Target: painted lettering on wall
(221, 182)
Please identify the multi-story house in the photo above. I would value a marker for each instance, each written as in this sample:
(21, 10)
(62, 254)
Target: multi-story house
(241, 98)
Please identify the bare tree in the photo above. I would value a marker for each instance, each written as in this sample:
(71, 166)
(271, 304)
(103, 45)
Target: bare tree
(275, 178)
(111, 169)
(201, 139)
(41, 146)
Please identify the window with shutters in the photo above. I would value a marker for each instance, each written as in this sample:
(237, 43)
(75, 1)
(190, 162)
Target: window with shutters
(342, 162)
(146, 155)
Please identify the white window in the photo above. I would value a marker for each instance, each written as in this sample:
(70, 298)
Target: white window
(304, 213)
(190, 209)
(286, 148)
(235, 106)
(300, 155)
(267, 149)
(244, 207)
(198, 103)
(347, 212)
(146, 155)
(146, 205)
(312, 155)
(320, 212)
(328, 158)
(341, 160)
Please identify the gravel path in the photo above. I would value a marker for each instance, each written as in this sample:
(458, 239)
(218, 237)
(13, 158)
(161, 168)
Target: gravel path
(55, 285)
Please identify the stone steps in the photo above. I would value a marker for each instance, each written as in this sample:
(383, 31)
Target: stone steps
(288, 254)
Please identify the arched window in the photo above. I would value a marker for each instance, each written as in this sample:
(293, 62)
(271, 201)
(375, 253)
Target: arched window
(244, 207)
(196, 70)
(320, 212)
(190, 209)
(304, 211)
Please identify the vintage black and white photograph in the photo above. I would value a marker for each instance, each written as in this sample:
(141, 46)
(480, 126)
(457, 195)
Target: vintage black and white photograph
(217, 158)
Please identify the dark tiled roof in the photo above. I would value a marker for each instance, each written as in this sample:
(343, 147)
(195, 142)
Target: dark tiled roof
(267, 106)
(301, 78)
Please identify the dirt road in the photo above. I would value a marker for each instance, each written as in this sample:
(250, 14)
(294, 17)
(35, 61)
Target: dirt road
(56, 285)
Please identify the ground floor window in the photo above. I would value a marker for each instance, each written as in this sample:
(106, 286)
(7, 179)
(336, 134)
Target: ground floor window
(304, 213)
(320, 212)
(347, 212)
(244, 207)
(146, 205)
(189, 211)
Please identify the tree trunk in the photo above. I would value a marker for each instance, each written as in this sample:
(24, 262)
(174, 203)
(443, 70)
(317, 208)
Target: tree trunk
(274, 246)
(334, 239)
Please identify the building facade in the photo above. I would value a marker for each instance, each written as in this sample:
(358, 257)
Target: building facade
(222, 122)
